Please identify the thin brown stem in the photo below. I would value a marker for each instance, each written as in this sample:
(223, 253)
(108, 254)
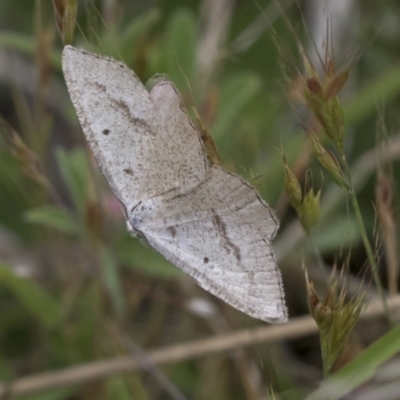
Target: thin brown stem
(298, 327)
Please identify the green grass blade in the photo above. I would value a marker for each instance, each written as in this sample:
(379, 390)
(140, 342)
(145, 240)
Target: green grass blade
(361, 369)
(35, 300)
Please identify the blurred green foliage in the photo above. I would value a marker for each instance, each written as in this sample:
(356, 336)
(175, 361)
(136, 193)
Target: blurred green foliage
(84, 282)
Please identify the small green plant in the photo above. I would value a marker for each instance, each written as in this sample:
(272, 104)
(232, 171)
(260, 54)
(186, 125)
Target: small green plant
(335, 315)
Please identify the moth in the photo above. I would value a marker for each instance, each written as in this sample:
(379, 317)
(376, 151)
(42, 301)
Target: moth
(203, 219)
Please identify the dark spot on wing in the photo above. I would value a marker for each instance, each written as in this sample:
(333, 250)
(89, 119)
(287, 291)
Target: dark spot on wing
(145, 208)
(172, 231)
(227, 242)
(206, 260)
(121, 105)
(106, 131)
(128, 171)
(100, 86)
(250, 275)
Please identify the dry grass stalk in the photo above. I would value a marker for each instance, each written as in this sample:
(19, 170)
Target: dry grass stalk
(384, 195)
(298, 327)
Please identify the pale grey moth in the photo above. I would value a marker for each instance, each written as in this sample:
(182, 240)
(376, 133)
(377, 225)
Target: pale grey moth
(209, 222)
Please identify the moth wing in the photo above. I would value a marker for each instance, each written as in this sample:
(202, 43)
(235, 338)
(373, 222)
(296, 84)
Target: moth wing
(143, 143)
(220, 234)
(179, 138)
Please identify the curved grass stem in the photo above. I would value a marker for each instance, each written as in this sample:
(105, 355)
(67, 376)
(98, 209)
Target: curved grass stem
(366, 242)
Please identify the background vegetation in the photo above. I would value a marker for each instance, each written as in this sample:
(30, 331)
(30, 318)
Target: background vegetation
(75, 288)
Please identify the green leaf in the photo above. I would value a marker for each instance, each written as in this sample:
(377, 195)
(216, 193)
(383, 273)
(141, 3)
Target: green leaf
(137, 29)
(111, 280)
(236, 92)
(180, 48)
(26, 44)
(363, 368)
(53, 217)
(75, 169)
(338, 233)
(34, 299)
(385, 87)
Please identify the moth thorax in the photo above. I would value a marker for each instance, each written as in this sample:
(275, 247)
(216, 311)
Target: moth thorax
(142, 212)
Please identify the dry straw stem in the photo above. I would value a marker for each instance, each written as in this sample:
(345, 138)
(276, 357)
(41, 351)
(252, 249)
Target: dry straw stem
(384, 199)
(298, 327)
